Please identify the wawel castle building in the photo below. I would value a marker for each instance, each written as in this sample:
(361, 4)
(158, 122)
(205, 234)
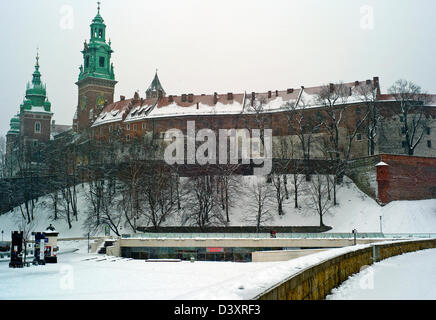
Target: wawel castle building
(287, 112)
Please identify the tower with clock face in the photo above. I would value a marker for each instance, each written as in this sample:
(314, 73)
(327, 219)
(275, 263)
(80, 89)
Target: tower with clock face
(96, 81)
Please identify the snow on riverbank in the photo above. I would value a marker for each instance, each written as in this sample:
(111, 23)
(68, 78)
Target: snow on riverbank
(409, 276)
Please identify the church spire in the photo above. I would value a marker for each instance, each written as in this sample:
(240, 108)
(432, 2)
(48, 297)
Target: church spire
(36, 80)
(155, 89)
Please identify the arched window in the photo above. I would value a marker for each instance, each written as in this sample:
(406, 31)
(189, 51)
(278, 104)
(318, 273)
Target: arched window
(37, 127)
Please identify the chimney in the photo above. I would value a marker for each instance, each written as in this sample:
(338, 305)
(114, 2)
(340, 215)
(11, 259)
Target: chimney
(142, 101)
(277, 93)
(197, 105)
(356, 83)
(377, 84)
(368, 82)
(302, 87)
(183, 97)
(269, 94)
(170, 98)
(331, 87)
(122, 98)
(215, 98)
(229, 96)
(190, 97)
(136, 96)
(351, 91)
(253, 97)
(289, 91)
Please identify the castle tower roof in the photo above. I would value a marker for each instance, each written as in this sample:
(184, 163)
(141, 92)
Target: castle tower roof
(155, 89)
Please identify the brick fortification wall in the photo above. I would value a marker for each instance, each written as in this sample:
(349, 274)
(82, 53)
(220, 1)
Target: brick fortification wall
(404, 177)
(408, 178)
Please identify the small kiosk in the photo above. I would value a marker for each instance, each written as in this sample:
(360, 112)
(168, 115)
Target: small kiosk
(16, 250)
(51, 246)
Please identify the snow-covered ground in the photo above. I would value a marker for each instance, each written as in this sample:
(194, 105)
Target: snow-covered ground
(355, 210)
(80, 275)
(410, 276)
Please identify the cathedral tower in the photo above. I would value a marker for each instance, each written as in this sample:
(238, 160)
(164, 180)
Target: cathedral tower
(35, 112)
(96, 79)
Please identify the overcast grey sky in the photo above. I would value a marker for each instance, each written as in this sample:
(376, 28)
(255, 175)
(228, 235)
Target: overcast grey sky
(204, 46)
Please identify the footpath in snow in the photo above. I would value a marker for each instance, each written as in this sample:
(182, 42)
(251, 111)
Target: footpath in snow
(410, 276)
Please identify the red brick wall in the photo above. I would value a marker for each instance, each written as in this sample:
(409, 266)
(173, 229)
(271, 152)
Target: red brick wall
(409, 178)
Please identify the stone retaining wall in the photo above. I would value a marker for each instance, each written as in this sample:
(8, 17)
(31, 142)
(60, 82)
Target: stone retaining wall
(316, 282)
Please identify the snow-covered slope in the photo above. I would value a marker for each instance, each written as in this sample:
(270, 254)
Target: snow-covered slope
(355, 210)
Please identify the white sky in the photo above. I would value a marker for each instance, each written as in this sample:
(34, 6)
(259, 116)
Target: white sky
(203, 46)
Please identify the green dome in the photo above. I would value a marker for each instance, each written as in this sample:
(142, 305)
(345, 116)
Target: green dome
(98, 19)
(14, 125)
(47, 105)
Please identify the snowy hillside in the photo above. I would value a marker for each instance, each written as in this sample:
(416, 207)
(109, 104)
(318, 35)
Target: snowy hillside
(355, 210)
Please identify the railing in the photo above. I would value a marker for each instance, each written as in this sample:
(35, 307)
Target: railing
(374, 235)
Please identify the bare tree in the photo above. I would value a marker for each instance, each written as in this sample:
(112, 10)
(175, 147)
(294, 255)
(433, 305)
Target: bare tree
(333, 98)
(108, 215)
(159, 201)
(412, 101)
(261, 197)
(202, 206)
(318, 190)
(304, 125)
(367, 93)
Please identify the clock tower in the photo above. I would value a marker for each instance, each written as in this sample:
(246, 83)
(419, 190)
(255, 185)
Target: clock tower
(96, 79)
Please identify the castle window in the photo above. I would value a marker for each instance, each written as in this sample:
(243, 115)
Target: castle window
(110, 128)
(35, 143)
(87, 62)
(128, 127)
(357, 110)
(359, 137)
(427, 130)
(128, 137)
(101, 62)
(404, 144)
(37, 127)
(100, 33)
(134, 127)
(429, 143)
(143, 125)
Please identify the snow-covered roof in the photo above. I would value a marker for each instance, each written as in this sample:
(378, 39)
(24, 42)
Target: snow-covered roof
(381, 164)
(132, 110)
(38, 109)
(114, 112)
